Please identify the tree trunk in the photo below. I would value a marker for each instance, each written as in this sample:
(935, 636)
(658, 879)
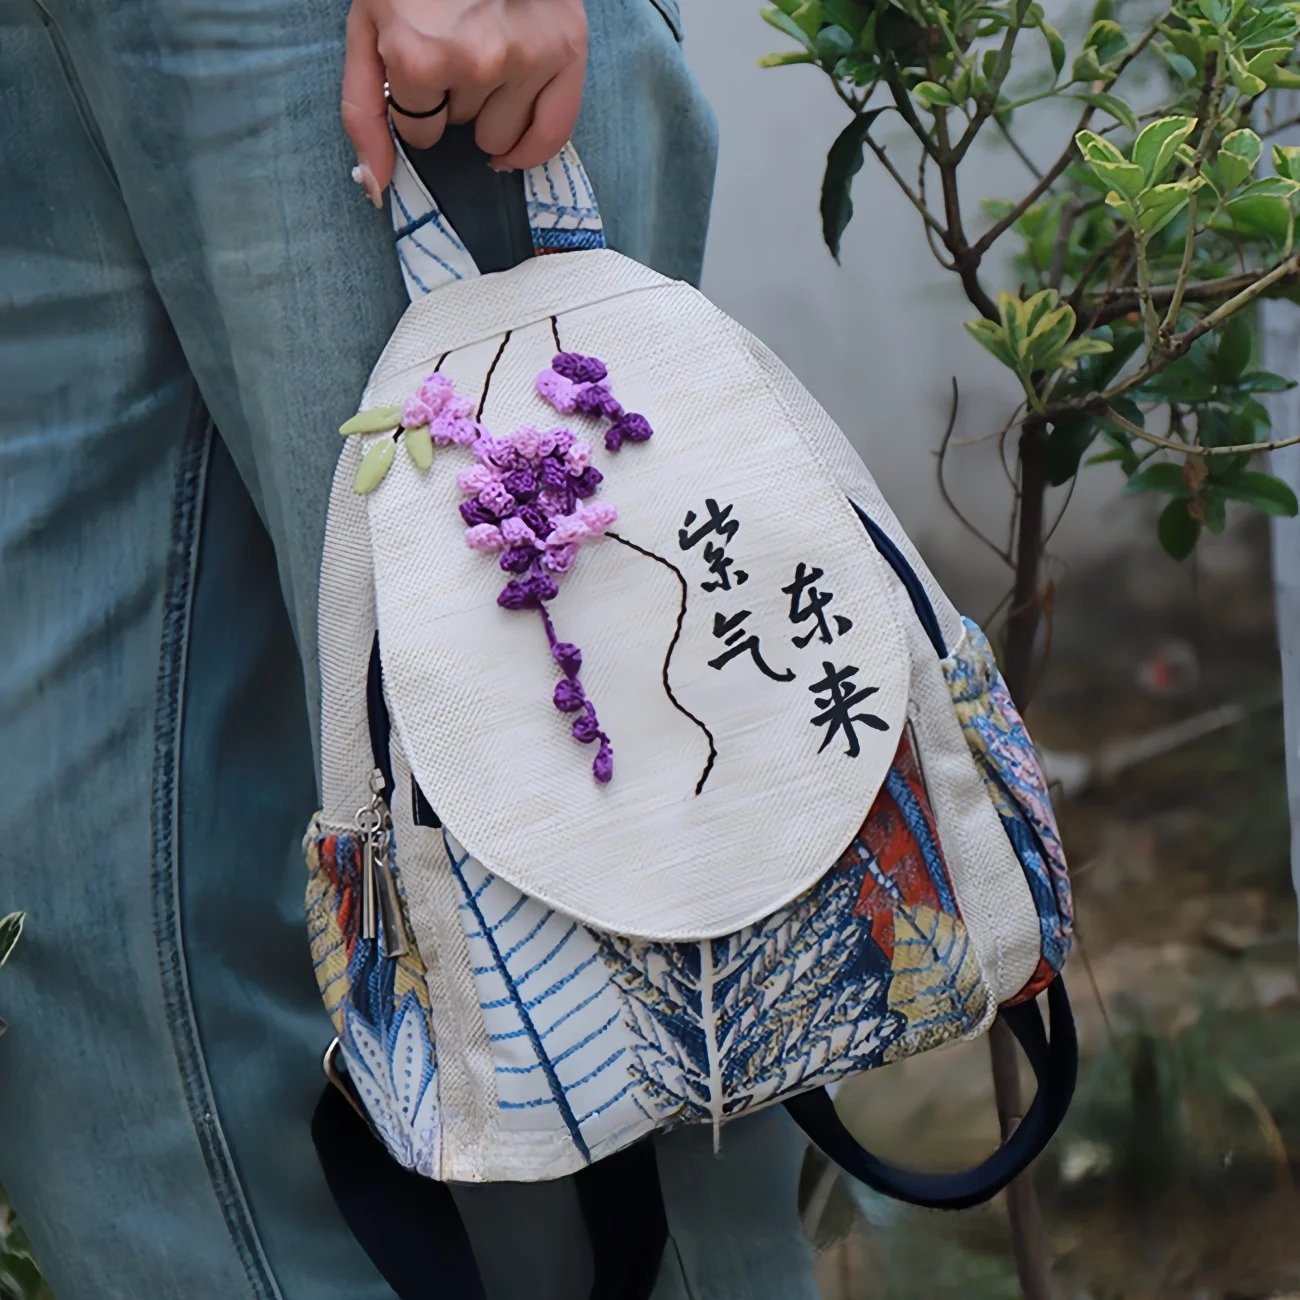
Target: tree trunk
(1028, 1241)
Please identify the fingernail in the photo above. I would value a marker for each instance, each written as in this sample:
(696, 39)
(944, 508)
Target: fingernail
(364, 177)
(500, 167)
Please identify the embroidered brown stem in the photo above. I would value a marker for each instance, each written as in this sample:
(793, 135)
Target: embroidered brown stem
(672, 645)
(482, 401)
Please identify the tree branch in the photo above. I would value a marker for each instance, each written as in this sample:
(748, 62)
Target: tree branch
(995, 232)
(1194, 448)
(914, 199)
(1201, 291)
(1180, 343)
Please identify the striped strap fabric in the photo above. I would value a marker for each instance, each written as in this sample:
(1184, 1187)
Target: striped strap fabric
(562, 216)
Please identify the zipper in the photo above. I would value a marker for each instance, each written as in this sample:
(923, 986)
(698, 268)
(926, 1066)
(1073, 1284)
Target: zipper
(380, 904)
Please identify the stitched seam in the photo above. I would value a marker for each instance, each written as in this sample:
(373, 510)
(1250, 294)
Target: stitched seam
(76, 92)
(182, 570)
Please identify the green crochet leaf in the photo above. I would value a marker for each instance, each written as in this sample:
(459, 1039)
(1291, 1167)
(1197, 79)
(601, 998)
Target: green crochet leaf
(374, 465)
(419, 446)
(378, 419)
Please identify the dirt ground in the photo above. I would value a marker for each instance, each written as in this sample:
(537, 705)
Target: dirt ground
(1173, 1176)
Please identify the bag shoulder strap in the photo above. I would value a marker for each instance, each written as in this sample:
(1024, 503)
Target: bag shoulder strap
(455, 218)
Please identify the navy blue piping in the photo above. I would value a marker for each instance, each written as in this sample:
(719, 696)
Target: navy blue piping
(907, 576)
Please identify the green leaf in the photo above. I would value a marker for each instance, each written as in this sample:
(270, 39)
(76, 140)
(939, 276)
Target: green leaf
(1232, 355)
(1259, 215)
(1236, 159)
(419, 446)
(1183, 68)
(994, 338)
(1158, 206)
(1266, 63)
(1095, 149)
(1156, 146)
(1066, 443)
(1273, 187)
(860, 69)
(1269, 26)
(1286, 161)
(1087, 68)
(379, 419)
(843, 163)
(1188, 45)
(1214, 11)
(932, 95)
(1055, 46)
(847, 14)
(1049, 335)
(1214, 509)
(786, 24)
(11, 927)
(374, 465)
(1177, 530)
(785, 60)
(1262, 381)
(1159, 476)
(1074, 352)
(867, 41)
(1107, 38)
(1113, 105)
(808, 17)
(1264, 492)
(1126, 182)
(1243, 79)
(1101, 458)
(832, 44)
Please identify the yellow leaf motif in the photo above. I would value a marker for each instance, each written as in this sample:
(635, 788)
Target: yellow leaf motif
(937, 984)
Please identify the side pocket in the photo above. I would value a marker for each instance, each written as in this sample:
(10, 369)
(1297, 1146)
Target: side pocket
(379, 1005)
(1006, 760)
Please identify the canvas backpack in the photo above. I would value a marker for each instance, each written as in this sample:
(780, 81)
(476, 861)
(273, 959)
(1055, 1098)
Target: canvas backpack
(661, 782)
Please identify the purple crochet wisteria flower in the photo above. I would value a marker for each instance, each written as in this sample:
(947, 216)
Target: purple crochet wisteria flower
(528, 503)
(577, 384)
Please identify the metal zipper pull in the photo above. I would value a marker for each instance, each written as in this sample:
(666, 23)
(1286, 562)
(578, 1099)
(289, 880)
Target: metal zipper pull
(390, 905)
(370, 824)
(380, 903)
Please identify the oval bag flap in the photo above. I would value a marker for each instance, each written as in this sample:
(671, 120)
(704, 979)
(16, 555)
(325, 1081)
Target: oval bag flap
(738, 640)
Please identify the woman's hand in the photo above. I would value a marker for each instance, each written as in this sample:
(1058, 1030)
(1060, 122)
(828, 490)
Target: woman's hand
(515, 67)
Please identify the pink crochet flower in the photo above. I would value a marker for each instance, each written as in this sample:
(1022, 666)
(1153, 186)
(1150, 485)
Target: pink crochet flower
(448, 429)
(416, 412)
(577, 458)
(598, 515)
(436, 389)
(561, 393)
(474, 479)
(559, 559)
(527, 440)
(497, 499)
(485, 537)
(516, 532)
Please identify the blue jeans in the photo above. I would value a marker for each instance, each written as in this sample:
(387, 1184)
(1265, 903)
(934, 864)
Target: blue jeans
(191, 292)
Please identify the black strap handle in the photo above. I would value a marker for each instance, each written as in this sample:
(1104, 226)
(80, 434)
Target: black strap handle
(1055, 1064)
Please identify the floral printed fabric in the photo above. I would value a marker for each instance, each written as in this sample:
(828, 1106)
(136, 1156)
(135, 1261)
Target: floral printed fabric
(1006, 759)
(379, 1006)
